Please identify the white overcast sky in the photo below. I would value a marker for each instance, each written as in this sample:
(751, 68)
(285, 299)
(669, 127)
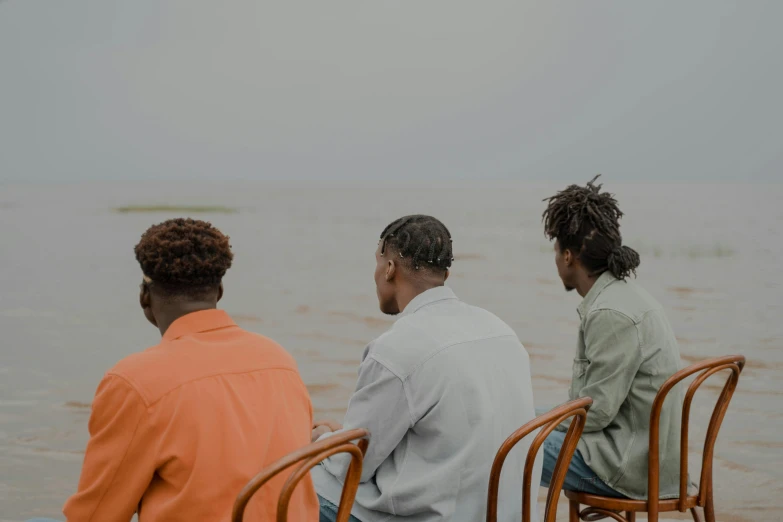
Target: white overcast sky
(424, 90)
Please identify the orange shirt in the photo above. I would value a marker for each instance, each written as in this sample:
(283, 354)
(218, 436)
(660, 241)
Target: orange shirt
(178, 430)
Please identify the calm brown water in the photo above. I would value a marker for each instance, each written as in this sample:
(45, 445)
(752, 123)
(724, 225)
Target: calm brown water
(303, 276)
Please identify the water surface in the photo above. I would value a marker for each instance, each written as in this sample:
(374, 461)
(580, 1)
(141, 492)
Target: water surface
(303, 276)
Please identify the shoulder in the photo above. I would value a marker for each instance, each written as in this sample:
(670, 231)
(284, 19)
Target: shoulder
(164, 367)
(385, 345)
(498, 325)
(608, 318)
(414, 338)
(401, 347)
(116, 392)
(270, 350)
(138, 363)
(625, 298)
(139, 368)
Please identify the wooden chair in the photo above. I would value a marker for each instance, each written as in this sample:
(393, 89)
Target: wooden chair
(309, 457)
(602, 507)
(549, 421)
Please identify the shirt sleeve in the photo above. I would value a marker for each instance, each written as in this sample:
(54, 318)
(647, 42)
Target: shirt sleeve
(119, 462)
(614, 355)
(379, 405)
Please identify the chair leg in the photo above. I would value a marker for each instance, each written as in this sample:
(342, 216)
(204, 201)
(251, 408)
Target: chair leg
(630, 516)
(709, 510)
(573, 511)
(696, 515)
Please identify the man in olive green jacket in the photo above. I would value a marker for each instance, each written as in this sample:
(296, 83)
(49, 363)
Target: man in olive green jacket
(626, 350)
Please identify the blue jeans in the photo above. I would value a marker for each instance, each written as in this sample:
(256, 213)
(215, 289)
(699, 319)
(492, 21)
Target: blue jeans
(329, 511)
(579, 476)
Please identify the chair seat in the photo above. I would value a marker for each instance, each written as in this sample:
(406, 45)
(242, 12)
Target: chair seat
(629, 504)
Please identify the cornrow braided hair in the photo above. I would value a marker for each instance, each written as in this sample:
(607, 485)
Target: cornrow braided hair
(423, 240)
(587, 222)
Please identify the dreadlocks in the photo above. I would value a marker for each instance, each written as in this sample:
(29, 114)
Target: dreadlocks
(422, 240)
(587, 222)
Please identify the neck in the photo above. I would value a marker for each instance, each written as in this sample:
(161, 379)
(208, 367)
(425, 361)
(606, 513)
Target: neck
(584, 283)
(167, 317)
(409, 292)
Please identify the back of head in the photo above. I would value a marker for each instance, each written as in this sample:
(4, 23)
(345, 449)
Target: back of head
(586, 221)
(422, 243)
(184, 258)
(413, 256)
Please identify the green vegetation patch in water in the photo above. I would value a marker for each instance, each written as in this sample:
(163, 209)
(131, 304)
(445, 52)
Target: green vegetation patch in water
(180, 209)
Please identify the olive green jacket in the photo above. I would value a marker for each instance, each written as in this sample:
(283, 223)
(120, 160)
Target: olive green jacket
(626, 351)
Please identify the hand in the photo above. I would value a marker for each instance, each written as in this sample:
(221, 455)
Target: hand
(318, 431)
(333, 426)
(322, 427)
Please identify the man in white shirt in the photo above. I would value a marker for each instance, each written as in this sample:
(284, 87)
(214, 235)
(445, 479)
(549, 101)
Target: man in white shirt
(439, 392)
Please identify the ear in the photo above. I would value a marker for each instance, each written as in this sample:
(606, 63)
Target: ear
(145, 300)
(446, 275)
(391, 270)
(220, 292)
(568, 257)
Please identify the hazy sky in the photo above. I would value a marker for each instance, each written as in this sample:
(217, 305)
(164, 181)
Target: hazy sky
(441, 90)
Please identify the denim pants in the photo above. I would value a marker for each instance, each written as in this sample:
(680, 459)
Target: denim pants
(329, 511)
(579, 476)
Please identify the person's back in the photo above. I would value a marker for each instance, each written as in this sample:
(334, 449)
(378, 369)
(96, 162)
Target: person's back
(617, 446)
(469, 386)
(178, 430)
(440, 392)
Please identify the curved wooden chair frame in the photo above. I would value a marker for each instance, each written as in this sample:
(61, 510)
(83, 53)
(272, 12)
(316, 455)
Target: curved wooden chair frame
(602, 507)
(549, 421)
(309, 457)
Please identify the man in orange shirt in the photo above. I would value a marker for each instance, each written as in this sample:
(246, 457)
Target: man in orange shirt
(178, 430)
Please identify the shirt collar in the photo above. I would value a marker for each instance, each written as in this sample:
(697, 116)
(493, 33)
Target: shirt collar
(433, 295)
(604, 280)
(197, 322)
